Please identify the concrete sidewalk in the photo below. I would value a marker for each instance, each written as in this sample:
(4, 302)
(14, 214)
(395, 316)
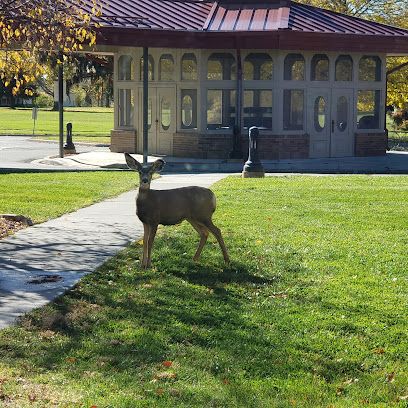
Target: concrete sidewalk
(39, 263)
(394, 162)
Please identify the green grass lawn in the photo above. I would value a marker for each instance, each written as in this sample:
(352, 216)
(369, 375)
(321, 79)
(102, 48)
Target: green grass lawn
(42, 196)
(85, 121)
(311, 312)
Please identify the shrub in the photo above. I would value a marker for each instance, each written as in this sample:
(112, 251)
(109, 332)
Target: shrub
(400, 118)
(44, 101)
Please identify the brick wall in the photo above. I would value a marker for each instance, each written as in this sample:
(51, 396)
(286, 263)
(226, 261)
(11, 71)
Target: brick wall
(123, 141)
(371, 144)
(219, 146)
(202, 146)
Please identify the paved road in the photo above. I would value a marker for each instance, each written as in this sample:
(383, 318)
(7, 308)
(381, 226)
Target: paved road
(20, 151)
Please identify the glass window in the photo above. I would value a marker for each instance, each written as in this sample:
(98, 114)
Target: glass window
(342, 114)
(188, 108)
(126, 107)
(220, 108)
(125, 71)
(320, 68)
(368, 109)
(149, 113)
(344, 68)
(189, 67)
(369, 69)
(165, 112)
(258, 66)
(166, 68)
(294, 67)
(258, 108)
(221, 66)
(293, 107)
(151, 68)
(319, 114)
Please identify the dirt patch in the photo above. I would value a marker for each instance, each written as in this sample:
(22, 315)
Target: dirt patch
(9, 226)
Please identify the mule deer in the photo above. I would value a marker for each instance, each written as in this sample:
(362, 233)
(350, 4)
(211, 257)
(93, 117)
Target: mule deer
(169, 207)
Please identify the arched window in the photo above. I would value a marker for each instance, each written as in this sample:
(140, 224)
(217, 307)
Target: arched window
(369, 69)
(319, 115)
(166, 68)
(294, 67)
(125, 68)
(188, 108)
(221, 66)
(258, 66)
(189, 67)
(344, 68)
(319, 68)
(151, 68)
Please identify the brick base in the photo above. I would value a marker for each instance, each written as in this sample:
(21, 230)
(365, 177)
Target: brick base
(371, 144)
(219, 146)
(123, 141)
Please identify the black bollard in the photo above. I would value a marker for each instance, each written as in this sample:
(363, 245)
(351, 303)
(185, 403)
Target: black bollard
(69, 146)
(253, 166)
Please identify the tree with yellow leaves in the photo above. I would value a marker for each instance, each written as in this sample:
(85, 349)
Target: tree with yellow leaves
(29, 28)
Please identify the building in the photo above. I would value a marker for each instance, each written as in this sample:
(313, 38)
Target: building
(312, 80)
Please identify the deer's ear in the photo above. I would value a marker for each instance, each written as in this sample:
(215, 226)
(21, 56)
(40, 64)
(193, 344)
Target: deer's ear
(132, 163)
(158, 165)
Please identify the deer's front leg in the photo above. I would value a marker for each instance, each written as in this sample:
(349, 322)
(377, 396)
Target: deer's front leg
(148, 239)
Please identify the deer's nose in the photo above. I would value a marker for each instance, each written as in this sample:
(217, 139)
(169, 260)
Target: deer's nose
(145, 180)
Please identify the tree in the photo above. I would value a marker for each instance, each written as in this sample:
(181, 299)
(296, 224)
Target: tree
(33, 27)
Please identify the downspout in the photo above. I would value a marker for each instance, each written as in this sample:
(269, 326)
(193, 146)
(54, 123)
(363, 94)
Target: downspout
(239, 90)
(145, 102)
(236, 152)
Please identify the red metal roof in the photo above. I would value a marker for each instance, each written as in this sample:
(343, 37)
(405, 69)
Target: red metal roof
(153, 14)
(312, 19)
(241, 23)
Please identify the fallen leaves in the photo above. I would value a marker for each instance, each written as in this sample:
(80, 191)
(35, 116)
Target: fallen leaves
(9, 227)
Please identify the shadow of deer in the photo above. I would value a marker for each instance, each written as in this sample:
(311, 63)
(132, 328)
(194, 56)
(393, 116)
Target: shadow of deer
(169, 207)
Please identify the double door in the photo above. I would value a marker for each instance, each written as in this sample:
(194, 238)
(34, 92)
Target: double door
(161, 120)
(330, 122)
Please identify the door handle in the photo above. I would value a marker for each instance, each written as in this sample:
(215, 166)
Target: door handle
(333, 124)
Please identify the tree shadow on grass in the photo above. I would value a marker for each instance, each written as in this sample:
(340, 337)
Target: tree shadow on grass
(122, 318)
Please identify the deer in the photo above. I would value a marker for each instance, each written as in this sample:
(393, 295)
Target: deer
(169, 207)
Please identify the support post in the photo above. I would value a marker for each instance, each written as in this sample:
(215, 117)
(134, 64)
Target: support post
(145, 102)
(61, 105)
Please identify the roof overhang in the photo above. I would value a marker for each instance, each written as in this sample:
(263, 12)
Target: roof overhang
(279, 40)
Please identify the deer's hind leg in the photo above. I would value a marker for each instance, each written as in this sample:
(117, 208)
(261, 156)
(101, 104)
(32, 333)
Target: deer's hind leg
(217, 234)
(203, 232)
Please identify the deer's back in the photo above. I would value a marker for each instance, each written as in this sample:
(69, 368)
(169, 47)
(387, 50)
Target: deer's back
(169, 207)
